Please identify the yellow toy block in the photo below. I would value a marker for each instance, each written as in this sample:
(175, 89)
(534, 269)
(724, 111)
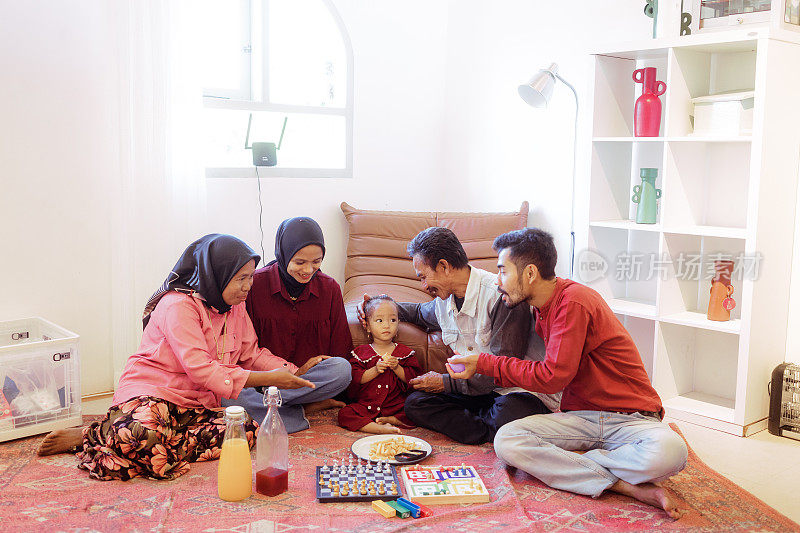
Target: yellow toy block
(383, 508)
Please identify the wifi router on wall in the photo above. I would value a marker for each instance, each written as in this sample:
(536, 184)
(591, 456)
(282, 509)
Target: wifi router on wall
(264, 154)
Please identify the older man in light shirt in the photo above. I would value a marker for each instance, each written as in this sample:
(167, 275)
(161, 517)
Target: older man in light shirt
(472, 318)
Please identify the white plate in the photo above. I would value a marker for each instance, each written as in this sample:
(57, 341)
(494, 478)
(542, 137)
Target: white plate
(360, 448)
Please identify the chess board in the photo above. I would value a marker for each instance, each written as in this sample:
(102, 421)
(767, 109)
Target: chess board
(326, 494)
(443, 484)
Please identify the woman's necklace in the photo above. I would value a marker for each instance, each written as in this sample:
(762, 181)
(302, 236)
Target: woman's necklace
(222, 331)
(222, 334)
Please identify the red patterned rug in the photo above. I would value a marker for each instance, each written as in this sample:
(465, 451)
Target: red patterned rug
(52, 494)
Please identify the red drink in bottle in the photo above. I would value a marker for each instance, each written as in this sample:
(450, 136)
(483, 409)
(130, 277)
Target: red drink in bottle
(272, 481)
(272, 449)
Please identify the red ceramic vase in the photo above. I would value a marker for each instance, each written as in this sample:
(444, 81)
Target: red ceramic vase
(647, 111)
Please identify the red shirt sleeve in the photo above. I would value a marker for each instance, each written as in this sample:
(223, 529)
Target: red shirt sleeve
(563, 351)
(341, 340)
(359, 367)
(411, 370)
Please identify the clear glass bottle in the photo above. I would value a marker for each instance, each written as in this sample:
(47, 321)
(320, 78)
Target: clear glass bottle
(272, 449)
(235, 470)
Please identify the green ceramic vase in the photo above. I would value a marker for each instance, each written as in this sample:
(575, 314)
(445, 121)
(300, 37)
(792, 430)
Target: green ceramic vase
(646, 196)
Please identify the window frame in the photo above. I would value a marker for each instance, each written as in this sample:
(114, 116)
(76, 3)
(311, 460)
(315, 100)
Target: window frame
(259, 10)
(244, 91)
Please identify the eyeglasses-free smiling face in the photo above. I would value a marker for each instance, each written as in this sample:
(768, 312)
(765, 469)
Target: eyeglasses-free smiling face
(237, 288)
(382, 323)
(434, 280)
(305, 263)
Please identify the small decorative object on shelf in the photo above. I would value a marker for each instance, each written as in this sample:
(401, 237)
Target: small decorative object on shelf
(721, 304)
(724, 114)
(651, 10)
(784, 401)
(647, 110)
(791, 14)
(646, 196)
(686, 21)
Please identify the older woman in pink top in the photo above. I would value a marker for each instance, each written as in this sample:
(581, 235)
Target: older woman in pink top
(198, 347)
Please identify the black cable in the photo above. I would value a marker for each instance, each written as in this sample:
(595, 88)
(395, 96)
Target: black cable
(260, 216)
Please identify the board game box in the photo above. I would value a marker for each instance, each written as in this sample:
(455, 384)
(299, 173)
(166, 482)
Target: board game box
(443, 484)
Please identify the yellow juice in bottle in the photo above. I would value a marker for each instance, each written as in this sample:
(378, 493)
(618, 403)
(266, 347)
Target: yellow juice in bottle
(235, 472)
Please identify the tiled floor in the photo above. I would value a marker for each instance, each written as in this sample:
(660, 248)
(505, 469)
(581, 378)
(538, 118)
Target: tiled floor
(763, 464)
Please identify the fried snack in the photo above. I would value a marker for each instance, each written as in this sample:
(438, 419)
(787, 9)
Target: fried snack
(386, 449)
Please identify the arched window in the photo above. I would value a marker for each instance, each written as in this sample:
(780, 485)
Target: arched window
(280, 69)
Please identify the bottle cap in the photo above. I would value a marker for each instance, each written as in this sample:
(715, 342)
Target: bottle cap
(234, 410)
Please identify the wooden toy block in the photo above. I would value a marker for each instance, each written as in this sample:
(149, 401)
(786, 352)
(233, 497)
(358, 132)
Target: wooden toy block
(413, 508)
(383, 508)
(401, 511)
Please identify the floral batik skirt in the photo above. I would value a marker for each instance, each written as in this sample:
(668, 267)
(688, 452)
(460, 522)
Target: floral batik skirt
(151, 437)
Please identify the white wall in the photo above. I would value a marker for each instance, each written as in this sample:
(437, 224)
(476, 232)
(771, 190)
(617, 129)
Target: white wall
(58, 155)
(399, 56)
(499, 150)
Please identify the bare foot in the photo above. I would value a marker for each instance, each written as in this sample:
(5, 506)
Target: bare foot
(374, 427)
(330, 403)
(652, 495)
(61, 441)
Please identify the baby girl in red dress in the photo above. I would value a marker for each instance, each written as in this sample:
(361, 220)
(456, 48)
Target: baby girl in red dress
(381, 372)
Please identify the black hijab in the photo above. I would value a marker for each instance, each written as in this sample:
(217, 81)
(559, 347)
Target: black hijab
(293, 235)
(206, 267)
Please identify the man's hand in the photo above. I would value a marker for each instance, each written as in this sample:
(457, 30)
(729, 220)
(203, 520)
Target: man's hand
(360, 311)
(470, 363)
(311, 363)
(429, 382)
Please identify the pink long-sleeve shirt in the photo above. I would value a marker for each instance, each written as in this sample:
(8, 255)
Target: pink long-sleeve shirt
(185, 359)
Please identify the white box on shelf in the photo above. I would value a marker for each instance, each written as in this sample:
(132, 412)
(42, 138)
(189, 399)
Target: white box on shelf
(724, 114)
(40, 378)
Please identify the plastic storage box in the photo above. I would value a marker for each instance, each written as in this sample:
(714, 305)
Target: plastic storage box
(40, 376)
(724, 114)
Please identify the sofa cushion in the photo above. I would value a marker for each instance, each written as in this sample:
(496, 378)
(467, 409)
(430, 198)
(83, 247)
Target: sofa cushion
(377, 263)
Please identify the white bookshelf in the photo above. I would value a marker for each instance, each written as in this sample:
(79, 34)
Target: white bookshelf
(730, 195)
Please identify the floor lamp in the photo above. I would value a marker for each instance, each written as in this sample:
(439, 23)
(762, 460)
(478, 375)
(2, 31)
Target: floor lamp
(537, 93)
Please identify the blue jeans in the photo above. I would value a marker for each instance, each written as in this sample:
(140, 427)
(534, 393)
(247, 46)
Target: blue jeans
(631, 447)
(331, 376)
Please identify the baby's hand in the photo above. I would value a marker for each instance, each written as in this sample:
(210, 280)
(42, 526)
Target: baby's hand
(381, 366)
(392, 362)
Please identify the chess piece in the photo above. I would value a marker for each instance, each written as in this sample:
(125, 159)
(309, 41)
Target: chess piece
(325, 465)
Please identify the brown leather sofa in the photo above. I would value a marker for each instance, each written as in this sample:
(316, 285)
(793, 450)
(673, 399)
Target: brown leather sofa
(377, 263)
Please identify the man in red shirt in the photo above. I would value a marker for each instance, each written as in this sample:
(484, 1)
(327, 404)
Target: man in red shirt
(610, 410)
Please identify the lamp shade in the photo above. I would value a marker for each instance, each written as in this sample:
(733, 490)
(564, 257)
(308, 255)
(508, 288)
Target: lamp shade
(539, 88)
